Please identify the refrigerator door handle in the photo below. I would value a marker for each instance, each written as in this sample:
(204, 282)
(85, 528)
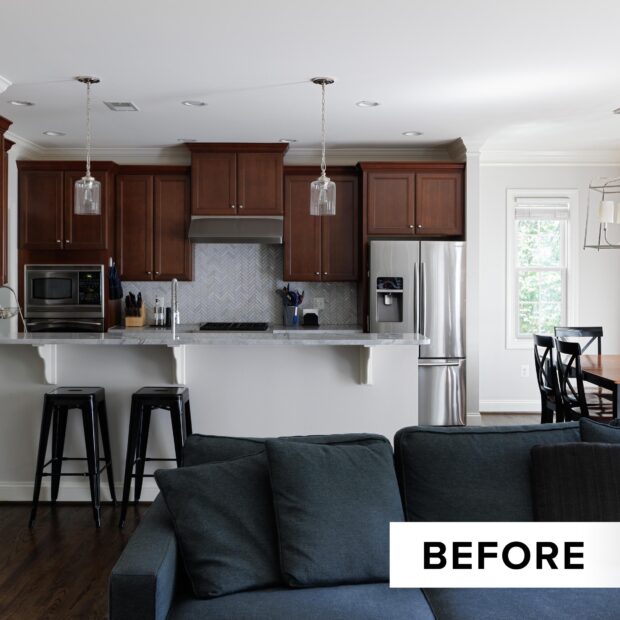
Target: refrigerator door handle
(416, 300)
(437, 363)
(422, 295)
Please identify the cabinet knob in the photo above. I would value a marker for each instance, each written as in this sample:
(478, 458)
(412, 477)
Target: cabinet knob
(325, 273)
(67, 240)
(241, 206)
(148, 273)
(419, 225)
(317, 273)
(410, 225)
(157, 273)
(58, 241)
(232, 206)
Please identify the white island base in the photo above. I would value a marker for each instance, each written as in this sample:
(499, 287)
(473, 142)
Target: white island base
(240, 390)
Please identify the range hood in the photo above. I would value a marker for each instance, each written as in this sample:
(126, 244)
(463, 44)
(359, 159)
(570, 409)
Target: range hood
(236, 229)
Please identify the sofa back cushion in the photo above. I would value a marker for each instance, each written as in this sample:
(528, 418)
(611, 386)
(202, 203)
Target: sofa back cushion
(333, 506)
(576, 482)
(599, 432)
(471, 473)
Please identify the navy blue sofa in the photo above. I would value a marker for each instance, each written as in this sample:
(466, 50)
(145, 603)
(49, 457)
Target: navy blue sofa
(444, 473)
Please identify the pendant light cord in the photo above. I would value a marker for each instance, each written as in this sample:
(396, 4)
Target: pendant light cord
(323, 164)
(88, 129)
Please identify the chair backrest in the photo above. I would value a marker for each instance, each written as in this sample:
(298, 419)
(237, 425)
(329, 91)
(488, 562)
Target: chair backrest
(593, 333)
(546, 373)
(569, 367)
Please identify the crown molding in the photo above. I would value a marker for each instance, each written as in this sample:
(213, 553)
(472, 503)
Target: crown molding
(350, 156)
(4, 84)
(492, 157)
(27, 148)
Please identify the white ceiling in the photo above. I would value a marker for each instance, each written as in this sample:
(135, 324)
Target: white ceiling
(533, 74)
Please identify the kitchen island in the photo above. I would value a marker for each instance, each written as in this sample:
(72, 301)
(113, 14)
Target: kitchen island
(280, 382)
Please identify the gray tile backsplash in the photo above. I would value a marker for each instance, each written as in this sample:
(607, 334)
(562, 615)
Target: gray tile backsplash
(238, 282)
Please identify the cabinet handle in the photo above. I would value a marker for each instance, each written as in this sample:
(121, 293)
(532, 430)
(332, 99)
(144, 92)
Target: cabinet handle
(241, 206)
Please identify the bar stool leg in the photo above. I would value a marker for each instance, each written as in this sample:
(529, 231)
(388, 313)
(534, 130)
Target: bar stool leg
(130, 458)
(188, 419)
(107, 452)
(46, 421)
(143, 437)
(59, 429)
(91, 436)
(177, 431)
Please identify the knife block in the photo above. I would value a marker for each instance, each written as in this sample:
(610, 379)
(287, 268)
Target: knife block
(136, 321)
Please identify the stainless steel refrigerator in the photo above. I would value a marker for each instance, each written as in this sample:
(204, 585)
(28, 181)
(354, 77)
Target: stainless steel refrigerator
(419, 287)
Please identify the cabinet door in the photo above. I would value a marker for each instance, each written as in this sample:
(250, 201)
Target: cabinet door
(40, 209)
(259, 183)
(302, 232)
(390, 203)
(134, 204)
(439, 203)
(340, 233)
(214, 184)
(171, 247)
(85, 232)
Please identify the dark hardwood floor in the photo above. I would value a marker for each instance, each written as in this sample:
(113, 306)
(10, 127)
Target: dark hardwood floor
(60, 568)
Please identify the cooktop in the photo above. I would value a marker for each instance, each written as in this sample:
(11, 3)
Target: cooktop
(234, 327)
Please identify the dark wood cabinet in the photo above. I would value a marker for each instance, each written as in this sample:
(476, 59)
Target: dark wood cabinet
(320, 248)
(153, 211)
(237, 179)
(5, 145)
(46, 218)
(414, 199)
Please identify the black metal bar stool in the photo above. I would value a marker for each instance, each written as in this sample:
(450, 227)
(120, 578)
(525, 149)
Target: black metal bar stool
(174, 399)
(56, 405)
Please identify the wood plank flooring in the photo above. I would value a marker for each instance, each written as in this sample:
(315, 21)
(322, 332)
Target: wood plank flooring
(59, 570)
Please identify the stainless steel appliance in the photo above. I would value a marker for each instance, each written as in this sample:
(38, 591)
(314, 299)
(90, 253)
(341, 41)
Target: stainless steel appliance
(237, 229)
(64, 298)
(419, 286)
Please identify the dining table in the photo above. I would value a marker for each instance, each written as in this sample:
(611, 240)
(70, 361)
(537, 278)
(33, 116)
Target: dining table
(604, 371)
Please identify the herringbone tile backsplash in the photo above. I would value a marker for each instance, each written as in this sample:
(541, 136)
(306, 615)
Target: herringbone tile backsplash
(238, 282)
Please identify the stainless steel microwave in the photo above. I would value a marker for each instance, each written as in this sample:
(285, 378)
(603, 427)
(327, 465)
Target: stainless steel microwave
(64, 297)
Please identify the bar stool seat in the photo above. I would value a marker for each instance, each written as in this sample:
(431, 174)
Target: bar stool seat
(174, 399)
(56, 405)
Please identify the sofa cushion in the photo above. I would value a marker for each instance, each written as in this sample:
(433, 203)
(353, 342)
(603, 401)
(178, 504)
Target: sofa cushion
(523, 604)
(599, 432)
(333, 506)
(223, 517)
(576, 482)
(352, 602)
(200, 449)
(471, 473)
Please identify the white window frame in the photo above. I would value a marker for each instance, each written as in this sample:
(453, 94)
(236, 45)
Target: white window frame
(569, 280)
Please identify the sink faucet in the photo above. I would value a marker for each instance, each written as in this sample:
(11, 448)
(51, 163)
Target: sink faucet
(174, 302)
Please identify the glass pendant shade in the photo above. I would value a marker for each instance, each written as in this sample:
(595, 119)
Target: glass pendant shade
(87, 199)
(323, 196)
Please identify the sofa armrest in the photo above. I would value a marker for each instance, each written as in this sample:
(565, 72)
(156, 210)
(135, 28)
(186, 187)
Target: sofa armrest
(143, 581)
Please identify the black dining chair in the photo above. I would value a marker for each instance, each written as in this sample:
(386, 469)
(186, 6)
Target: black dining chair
(576, 402)
(595, 334)
(547, 377)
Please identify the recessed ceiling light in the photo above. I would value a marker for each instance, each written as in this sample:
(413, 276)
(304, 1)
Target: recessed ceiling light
(617, 111)
(287, 140)
(367, 104)
(194, 103)
(412, 133)
(187, 140)
(121, 106)
(25, 104)
(54, 133)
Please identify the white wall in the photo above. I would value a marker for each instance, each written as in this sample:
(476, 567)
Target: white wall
(501, 386)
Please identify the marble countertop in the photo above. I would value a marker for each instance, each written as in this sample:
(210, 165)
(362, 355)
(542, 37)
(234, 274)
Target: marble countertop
(335, 335)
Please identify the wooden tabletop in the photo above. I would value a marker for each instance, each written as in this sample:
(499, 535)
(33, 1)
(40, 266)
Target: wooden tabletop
(606, 366)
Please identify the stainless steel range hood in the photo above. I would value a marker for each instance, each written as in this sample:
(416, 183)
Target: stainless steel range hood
(236, 229)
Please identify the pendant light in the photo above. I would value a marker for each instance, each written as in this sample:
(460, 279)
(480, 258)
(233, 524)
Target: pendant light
(87, 200)
(322, 191)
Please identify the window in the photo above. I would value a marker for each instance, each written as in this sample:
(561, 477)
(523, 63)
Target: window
(541, 245)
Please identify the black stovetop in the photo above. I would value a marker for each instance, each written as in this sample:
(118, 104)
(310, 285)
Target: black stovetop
(234, 327)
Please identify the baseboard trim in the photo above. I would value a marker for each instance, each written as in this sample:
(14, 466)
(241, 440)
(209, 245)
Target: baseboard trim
(473, 419)
(70, 492)
(509, 406)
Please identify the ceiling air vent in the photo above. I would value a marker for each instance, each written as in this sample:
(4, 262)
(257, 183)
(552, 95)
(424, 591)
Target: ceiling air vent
(121, 106)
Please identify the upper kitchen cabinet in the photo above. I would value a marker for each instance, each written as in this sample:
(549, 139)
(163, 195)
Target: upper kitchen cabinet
(46, 218)
(153, 212)
(5, 145)
(414, 199)
(320, 248)
(237, 179)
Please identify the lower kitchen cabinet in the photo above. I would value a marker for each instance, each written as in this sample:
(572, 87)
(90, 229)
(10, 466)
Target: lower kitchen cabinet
(153, 212)
(320, 248)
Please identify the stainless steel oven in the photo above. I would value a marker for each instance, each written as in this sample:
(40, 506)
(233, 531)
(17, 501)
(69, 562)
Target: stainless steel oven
(66, 298)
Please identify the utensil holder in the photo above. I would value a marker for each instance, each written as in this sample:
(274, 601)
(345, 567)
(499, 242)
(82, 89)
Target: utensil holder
(136, 321)
(291, 316)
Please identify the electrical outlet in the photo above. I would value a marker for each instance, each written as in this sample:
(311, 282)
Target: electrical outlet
(525, 370)
(319, 303)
